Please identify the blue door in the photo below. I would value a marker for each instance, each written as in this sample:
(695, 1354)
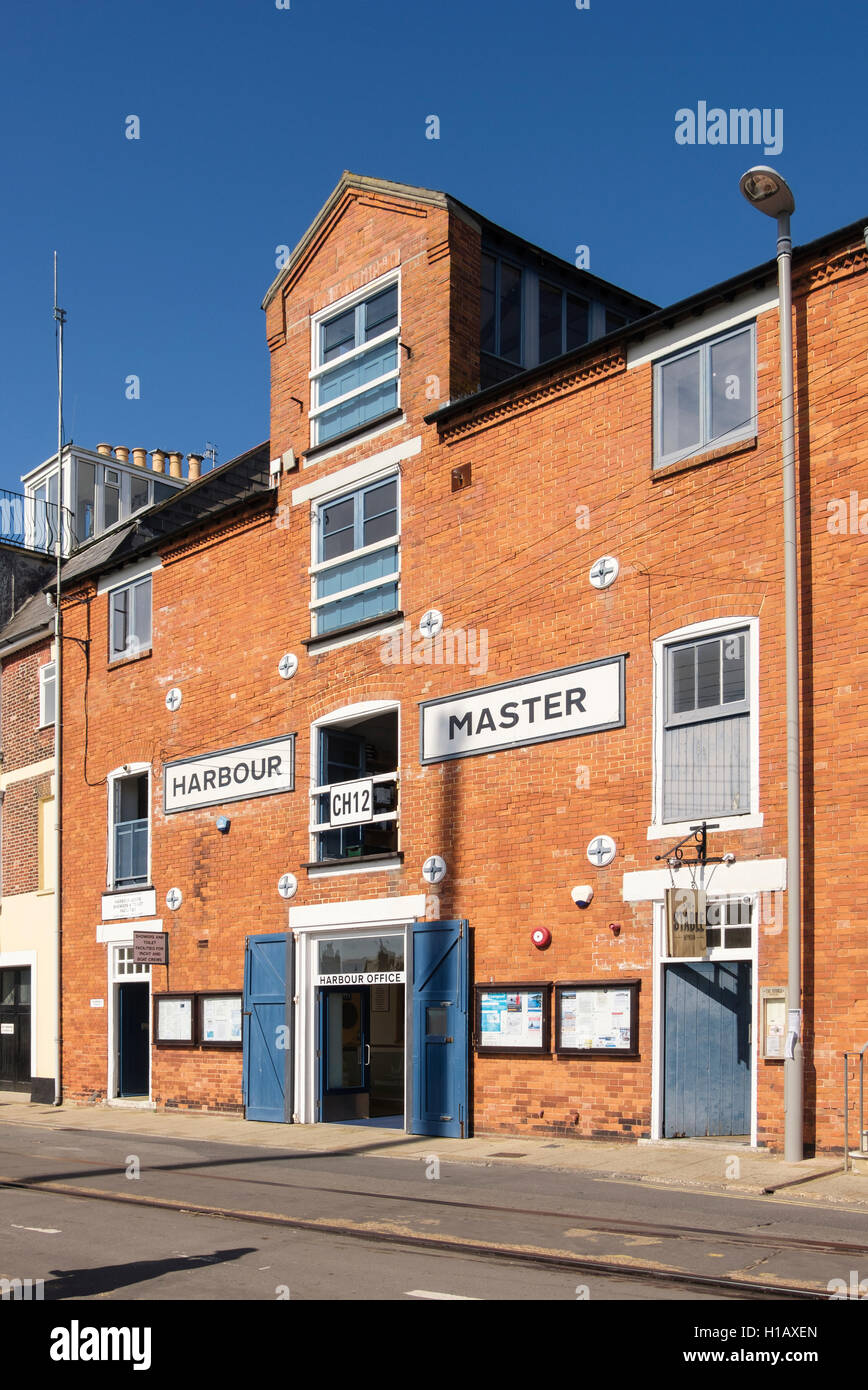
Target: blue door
(266, 1038)
(440, 1001)
(707, 1049)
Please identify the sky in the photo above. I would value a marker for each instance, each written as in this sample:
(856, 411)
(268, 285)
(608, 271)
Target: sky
(557, 122)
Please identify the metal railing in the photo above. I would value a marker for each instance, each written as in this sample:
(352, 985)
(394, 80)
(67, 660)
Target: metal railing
(33, 524)
(863, 1132)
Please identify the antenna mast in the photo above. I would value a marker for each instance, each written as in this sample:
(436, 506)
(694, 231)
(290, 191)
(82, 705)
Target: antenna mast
(60, 320)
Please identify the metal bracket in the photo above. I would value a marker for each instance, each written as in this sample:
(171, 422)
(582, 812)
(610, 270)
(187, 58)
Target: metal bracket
(698, 837)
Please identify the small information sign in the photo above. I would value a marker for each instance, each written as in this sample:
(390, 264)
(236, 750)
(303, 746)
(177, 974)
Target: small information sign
(352, 803)
(150, 948)
(686, 921)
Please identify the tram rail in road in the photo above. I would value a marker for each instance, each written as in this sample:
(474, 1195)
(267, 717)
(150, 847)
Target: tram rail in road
(648, 1272)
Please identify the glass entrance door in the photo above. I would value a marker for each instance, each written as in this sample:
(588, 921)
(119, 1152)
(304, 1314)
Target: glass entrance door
(362, 1055)
(345, 1053)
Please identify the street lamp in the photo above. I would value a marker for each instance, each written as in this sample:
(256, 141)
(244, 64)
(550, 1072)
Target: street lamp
(767, 191)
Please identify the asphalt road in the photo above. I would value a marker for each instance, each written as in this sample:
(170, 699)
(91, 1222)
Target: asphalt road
(85, 1247)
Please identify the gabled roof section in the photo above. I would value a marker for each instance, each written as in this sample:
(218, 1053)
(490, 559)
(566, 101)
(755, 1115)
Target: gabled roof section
(334, 208)
(219, 491)
(387, 192)
(34, 620)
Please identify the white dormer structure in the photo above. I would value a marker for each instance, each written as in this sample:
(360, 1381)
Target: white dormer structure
(102, 488)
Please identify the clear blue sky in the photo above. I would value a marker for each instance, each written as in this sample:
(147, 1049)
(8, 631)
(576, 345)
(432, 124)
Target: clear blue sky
(557, 123)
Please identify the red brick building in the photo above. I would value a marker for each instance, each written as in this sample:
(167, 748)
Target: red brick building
(493, 621)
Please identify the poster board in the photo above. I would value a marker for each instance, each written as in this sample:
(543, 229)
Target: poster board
(219, 1019)
(174, 1020)
(597, 1018)
(513, 1019)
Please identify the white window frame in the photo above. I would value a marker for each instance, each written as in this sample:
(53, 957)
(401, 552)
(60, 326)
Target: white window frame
(135, 649)
(319, 369)
(366, 710)
(715, 627)
(317, 566)
(118, 774)
(748, 430)
(44, 681)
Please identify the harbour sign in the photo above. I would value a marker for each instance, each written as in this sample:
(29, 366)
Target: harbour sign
(233, 774)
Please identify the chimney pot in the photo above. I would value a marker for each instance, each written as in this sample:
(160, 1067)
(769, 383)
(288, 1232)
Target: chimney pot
(122, 454)
(140, 458)
(175, 461)
(104, 449)
(158, 457)
(194, 467)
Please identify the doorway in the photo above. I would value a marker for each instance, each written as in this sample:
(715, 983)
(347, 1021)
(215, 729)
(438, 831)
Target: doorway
(133, 1040)
(707, 1049)
(15, 1029)
(361, 1055)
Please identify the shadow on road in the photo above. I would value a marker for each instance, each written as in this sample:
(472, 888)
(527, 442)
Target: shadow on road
(90, 1283)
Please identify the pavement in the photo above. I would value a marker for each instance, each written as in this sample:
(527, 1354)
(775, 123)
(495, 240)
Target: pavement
(707, 1165)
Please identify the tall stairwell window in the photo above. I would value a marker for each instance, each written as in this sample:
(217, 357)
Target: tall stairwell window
(356, 362)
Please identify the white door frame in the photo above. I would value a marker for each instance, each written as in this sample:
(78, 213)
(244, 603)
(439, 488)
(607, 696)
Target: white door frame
(327, 921)
(114, 980)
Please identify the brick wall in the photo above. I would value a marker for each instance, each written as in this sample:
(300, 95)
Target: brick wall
(24, 744)
(22, 739)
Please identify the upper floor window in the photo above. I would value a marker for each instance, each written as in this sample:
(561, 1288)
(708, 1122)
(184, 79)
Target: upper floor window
(356, 365)
(705, 396)
(355, 802)
(47, 693)
(501, 308)
(706, 758)
(130, 619)
(129, 831)
(356, 569)
(564, 321)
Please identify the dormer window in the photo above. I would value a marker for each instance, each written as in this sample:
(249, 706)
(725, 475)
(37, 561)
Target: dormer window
(355, 362)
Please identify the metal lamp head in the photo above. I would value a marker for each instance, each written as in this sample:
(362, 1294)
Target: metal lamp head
(766, 190)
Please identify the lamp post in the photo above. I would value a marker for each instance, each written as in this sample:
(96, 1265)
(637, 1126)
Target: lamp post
(770, 193)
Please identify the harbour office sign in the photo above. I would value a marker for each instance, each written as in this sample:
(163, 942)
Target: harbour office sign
(557, 704)
(233, 774)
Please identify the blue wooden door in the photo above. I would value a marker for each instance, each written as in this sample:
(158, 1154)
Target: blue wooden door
(440, 1032)
(265, 1033)
(707, 1049)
